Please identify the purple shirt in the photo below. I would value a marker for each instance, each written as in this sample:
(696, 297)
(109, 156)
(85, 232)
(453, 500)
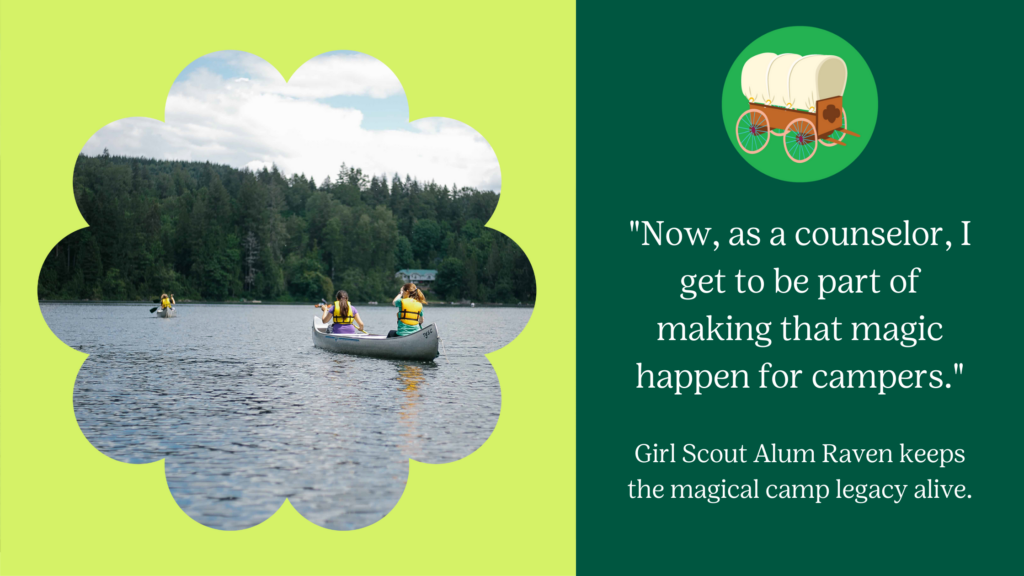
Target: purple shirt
(343, 328)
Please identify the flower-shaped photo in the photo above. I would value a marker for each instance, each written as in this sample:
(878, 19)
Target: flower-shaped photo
(287, 290)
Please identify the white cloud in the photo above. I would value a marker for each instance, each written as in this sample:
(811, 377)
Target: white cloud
(254, 119)
(343, 75)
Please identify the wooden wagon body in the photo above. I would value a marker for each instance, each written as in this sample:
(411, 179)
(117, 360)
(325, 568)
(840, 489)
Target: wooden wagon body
(828, 118)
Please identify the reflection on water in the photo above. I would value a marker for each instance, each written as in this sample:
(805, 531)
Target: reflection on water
(411, 378)
(247, 412)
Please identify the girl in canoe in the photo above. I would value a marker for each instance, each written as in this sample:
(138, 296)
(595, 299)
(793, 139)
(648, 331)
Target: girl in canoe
(343, 313)
(166, 302)
(410, 302)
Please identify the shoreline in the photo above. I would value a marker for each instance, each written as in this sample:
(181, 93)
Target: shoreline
(207, 303)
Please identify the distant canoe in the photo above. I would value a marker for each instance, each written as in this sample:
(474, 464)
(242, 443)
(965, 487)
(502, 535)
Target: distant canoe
(421, 345)
(166, 313)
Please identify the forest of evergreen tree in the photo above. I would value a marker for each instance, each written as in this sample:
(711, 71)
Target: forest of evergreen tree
(215, 233)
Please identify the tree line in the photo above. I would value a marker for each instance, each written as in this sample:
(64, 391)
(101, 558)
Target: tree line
(212, 232)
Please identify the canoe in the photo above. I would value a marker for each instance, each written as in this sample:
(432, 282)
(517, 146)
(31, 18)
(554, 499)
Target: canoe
(420, 345)
(166, 313)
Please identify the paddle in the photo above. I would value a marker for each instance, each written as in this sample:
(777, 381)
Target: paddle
(153, 309)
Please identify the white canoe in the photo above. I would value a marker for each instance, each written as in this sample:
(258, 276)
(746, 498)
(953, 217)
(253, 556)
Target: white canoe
(420, 345)
(166, 313)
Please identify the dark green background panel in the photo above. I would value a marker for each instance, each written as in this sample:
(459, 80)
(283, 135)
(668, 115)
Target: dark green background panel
(653, 147)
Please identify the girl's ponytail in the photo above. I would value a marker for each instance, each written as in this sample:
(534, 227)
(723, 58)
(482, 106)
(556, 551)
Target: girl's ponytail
(342, 298)
(414, 293)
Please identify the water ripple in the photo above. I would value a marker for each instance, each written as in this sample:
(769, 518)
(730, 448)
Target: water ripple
(247, 412)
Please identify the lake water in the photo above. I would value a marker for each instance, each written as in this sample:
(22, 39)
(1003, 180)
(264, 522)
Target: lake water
(247, 412)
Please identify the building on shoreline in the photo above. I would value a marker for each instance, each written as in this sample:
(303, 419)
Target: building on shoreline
(419, 277)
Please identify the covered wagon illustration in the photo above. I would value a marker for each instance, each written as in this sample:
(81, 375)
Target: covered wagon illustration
(799, 98)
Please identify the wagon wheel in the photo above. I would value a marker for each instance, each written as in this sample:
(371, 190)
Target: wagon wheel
(800, 140)
(752, 131)
(836, 134)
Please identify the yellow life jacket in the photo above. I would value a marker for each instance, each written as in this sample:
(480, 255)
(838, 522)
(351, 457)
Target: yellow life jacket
(338, 318)
(410, 312)
(165, 303)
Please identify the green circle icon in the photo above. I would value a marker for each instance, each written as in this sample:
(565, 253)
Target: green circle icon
(790, 115)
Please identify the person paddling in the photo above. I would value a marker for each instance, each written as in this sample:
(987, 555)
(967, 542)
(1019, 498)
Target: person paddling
(166, 302)
(410, 303)
(343, 313)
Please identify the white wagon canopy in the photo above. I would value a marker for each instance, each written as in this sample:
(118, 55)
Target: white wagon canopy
(793, 81)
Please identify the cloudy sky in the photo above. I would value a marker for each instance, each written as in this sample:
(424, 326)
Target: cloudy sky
(234, 108)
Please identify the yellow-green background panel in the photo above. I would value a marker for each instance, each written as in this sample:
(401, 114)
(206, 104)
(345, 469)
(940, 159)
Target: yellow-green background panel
(509, 72)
